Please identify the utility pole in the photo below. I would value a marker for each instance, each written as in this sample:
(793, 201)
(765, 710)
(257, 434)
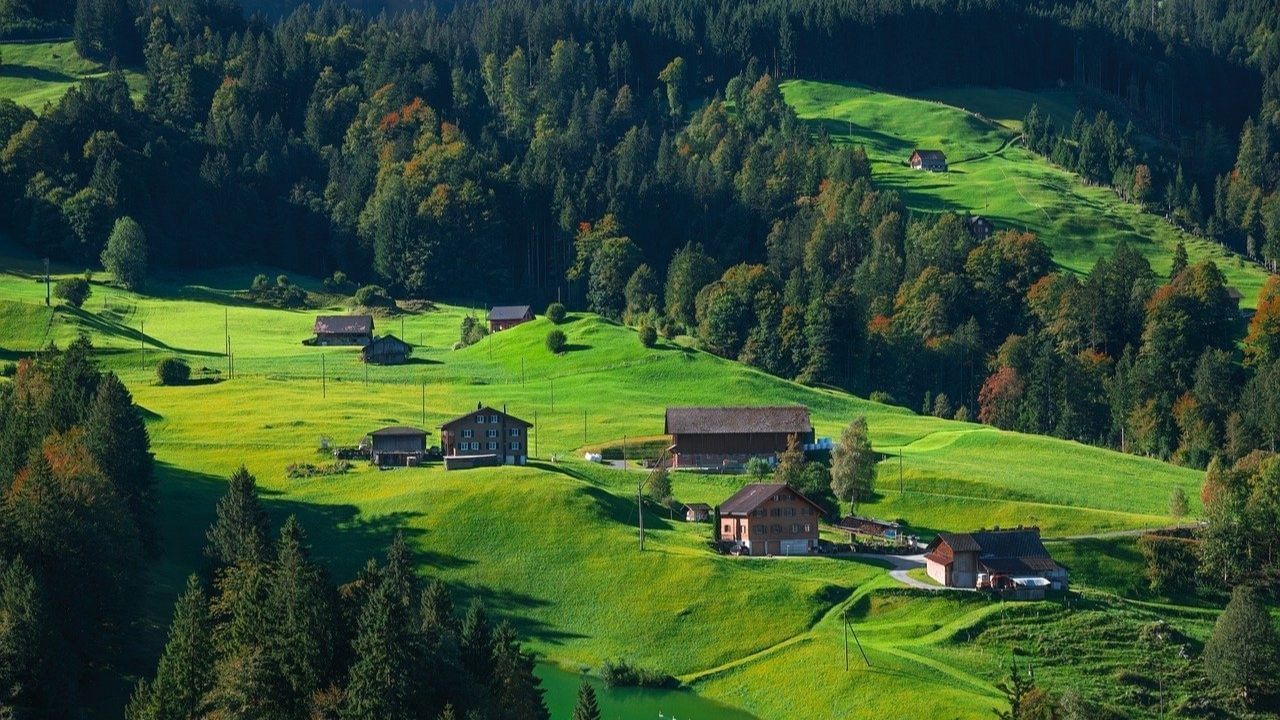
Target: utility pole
(640, 509)
(535, 434)
(46, 282)
(553, 394)
(624, 448)
(423, 420)
(142, 335)
(584, 427)
(226, 337)
(324, 392)
(522, 370)
(901, 451)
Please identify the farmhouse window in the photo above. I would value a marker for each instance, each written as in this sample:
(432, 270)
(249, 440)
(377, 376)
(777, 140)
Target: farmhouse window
(491, 433)
(480, 419)
(514, 432)
(776, 512)
(777, 528)
(807, 528)
(726, 528)
(493, 419)
(492, 445)
(513, 446)
(468, 433)
(475, 446)
(795, 528)
(764, 529)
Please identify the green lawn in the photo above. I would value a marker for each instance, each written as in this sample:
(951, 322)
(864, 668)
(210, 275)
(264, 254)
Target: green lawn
(992, 175)
(553, 545)
(36, 73)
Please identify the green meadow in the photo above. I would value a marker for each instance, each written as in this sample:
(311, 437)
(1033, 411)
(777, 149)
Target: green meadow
(36, 73)
(991, 174)
(554, 545)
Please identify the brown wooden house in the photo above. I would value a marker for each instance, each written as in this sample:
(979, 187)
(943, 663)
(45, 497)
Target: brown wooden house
(397, 445)
(730, 436)
(386, 350)
(1012, 558)
(484, 436)
(931, 160)
(980, 228)
(343, 330)
(502, 317)
(769, 519)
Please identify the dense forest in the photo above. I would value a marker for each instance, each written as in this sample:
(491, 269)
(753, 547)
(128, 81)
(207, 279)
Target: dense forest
(637, 159)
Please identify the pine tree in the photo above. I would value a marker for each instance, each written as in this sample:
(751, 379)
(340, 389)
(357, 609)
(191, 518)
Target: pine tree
(476, 642)
(240, 531)
(516, 690)
(437, 607)
(184, 674)
(380, 685)
(26, 678)
(300, 618)
(399, 572)
(74, 383)
(586, 708)
(1179, 261)
(1241, 655)
(118, 440)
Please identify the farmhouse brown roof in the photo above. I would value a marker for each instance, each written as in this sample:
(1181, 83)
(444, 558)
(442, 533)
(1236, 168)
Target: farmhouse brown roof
(929, 154)
(399, 431)
(1001, 551)
(343, 324)
(737, 420)
(751, 496)
(509, 312)
(486, 410)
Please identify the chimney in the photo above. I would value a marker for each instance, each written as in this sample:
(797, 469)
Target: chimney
(478, 405)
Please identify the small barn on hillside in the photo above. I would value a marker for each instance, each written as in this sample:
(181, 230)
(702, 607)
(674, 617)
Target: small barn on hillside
(1234, 296)
(980, 228)
(484, 436)
(502, 317)
(397, 445)
(386, 350)
(1012, 559)
(930, 160)
(343, 330)
(717, 437)
(697, 512)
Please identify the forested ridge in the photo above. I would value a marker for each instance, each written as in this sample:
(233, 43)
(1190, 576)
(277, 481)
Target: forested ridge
(638, 160)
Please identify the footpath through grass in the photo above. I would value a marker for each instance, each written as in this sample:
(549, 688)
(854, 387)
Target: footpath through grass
(554, 545)
(991, 174)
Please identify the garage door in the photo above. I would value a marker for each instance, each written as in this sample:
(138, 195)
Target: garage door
(795, 547)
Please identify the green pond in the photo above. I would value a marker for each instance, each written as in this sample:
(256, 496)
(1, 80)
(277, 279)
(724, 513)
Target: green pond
(630, 703)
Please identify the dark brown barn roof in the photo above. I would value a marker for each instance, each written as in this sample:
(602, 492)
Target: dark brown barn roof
(697, 506)
(929, 154)
(387, 340)
(510, 312)
(485, 409)
(737, 420)
(399, 431)
(1002, 551)
(343, 324)
(751, 496)
(865, 525)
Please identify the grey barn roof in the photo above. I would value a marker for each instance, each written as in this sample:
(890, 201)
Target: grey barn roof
(1008, 551)
(930, 154)
(388, 340)
(750, 497)
(738, 420)
(486, 410)
(398, 431)
(343, 324)
(509, 312)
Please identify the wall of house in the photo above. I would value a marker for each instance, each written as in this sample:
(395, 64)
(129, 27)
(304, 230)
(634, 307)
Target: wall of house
(964, 570)
(787, 518)
(399, 443)
(716, 449)
(937, 571)
(344, 339)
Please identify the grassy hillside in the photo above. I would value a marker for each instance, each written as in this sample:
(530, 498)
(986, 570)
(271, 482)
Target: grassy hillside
(35, 73)
(554, 544)
(992, 175)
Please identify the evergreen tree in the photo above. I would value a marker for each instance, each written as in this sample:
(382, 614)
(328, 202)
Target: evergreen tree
(516, 691)
(239, 534)
(300, 617)
(27, 679)
(586, 708)
(117, 438)
(1179, 260)
(73, 383)
(476, 642)
(381, 683)
(1241, 656)
(184, 674)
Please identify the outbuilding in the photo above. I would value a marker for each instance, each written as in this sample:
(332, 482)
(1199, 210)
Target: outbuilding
(502, 317)
(343, 330)
(386, 350)
(397, 445)
(697, 512)
(718, 437)
(930, 160)
(1013, 560)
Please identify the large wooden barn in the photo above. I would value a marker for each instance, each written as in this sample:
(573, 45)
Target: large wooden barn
(397, 445)
(720, 437)
(343, 330)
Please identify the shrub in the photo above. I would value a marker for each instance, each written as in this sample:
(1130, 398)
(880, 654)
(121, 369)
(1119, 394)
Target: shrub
(172, 371)
(648, 336)
(882, 397)
(374, 296)
(623, 674)
(556, 313)
(74, 290)
(9, 370)
(472, 332)
(125, 255)
(556, 341)
(335, 282)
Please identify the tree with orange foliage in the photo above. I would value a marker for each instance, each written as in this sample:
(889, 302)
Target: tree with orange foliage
(1262, 343)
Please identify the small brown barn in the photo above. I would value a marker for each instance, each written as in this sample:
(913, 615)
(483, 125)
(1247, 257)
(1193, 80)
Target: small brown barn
(931, 160)
(697, 512)
(386, 350)
(502, 317)
(487, 436)
(397, 445)
(730, 436)
(980, 228)
(1013, 559)
(1234, 296)
(769, 519)
(343, 330)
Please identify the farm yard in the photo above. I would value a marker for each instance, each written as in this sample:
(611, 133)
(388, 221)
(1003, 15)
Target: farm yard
(35, 73)
(552, 544)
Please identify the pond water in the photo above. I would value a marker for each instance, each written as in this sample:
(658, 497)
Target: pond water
(630, 703)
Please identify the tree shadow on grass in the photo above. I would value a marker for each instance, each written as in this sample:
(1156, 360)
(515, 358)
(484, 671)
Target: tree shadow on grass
(575, 347)
(28, 72)
(102, 326)
(618, 509)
